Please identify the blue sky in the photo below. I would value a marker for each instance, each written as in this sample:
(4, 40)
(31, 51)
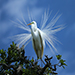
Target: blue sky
(12, 9)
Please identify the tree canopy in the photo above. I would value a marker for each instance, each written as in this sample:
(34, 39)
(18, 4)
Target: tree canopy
(14, 62)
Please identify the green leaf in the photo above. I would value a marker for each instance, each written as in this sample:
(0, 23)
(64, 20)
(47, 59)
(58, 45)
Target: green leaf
(13, 43)
(64, 64)
(63, 67)
(32, 60)
(58, 57)
(1, 51)
(62, 61)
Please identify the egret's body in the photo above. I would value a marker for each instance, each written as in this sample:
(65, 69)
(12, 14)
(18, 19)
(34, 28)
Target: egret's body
(37, 40)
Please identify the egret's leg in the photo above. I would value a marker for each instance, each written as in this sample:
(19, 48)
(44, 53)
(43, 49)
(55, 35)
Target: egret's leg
(41, 57)
(42, 61)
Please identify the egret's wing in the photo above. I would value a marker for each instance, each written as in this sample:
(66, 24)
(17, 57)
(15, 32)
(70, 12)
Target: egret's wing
(42, 45)
(33, 41)
(48, 29)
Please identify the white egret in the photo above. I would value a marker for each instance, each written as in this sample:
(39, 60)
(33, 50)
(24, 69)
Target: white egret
(37, 39)
(41, 36)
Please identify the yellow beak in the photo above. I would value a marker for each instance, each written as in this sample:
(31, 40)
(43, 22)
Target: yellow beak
(29, 24)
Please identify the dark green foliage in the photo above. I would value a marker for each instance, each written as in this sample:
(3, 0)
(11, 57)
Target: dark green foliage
(14, 62)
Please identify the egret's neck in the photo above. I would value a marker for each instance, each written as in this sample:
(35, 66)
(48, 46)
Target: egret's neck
(33, 28)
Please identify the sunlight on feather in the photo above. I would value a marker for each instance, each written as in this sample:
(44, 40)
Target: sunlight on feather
(49, 29)
(21, 38)
(24, 19)
(22, 27)
(50, 48)
(25, 39)
(20, 22)
(55, 39)
(56, 30)
(27, 42)
(48, 39)
(45, 19)
(54, 16)
(52, 23)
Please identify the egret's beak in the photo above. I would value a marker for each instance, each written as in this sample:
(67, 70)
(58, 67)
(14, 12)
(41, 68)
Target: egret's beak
(29, 24)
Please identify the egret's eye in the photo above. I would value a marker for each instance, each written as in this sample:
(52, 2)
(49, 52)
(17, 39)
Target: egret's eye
(32, 22)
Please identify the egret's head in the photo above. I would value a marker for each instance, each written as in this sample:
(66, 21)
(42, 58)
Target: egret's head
(33, 24)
